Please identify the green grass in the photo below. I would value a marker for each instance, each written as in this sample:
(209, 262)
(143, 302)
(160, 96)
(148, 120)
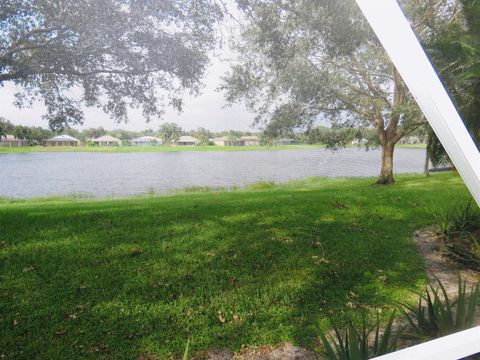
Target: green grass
(116, 279)
(126, 149)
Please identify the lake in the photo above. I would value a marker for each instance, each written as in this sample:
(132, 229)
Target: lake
(127, 174)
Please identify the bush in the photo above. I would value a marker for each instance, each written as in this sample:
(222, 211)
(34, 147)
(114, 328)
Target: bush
(353, 344)
(460, 231)
(437, 315)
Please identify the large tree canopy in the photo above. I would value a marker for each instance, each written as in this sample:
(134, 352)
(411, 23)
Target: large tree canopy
(308, 59)
(120, 53)
(455, 50)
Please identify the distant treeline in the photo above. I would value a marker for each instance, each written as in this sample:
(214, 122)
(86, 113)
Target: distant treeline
(170, 132)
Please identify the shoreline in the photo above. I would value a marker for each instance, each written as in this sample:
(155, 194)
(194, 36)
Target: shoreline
(140, 149)
(258, 186)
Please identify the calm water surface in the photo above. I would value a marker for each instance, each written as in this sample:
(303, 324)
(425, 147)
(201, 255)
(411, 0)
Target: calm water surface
(126, 174)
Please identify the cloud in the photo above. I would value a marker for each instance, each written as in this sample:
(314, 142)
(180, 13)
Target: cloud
(205, 110)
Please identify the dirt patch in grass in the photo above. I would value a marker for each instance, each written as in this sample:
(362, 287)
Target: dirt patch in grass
(440, 266)
(284, 352)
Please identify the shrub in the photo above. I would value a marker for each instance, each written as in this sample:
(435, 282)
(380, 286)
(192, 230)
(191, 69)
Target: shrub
(437, 315)
(459, 221)
(460, 230)
(353, 344)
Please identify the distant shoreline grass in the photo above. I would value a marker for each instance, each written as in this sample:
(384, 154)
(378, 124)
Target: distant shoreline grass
(135, 278)
(129, 149)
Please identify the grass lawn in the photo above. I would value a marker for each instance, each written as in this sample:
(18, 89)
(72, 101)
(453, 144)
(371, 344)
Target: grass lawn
(116, 279)
(124, 149)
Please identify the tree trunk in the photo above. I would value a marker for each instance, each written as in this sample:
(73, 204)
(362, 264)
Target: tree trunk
(386, 173)
(426, 165)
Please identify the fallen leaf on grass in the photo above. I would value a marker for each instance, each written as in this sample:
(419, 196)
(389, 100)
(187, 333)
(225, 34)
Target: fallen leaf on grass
(339, 205)
(220, 317)
(136, 252)
(99, 348)
(355, 227)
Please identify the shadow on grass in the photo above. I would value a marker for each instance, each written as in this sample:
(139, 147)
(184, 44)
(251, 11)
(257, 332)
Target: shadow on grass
(117, 279)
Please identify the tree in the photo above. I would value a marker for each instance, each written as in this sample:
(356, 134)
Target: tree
(38, 134)
(72, 132)
(90, 133)
(203, 135)
(170, 132)
(22, 132)
(3, 130)
(6, 126)
(320, 59)
(119, 53)
(123, 135)
(284, 122)
(455, 51)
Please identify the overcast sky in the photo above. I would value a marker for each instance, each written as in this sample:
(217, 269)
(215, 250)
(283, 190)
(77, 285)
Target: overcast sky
(207, 110)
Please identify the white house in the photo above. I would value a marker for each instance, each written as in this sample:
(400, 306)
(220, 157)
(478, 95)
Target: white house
(251, 140)
(12, 141)
(227, 141)
(107, 140)
(146, 141)
(61, 140)
(187, 141)
(412, 140)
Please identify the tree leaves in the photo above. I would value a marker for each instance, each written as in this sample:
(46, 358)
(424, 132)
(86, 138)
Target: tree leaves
(120, 54)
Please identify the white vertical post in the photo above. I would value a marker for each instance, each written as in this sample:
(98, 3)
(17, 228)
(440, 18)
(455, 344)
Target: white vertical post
(397, 37)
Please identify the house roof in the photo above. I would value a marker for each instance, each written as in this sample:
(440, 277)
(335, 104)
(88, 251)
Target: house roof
(250, 137)
(225, 138)
(147, 138)
(63, 138)
(106, 138)
(187, 139)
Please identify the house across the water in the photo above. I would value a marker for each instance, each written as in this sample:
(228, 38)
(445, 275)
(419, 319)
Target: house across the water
(107, 140)
(12, 141)
(146, 141)
(187, 141)
(61, 140)
(227, 141)
(250, 140)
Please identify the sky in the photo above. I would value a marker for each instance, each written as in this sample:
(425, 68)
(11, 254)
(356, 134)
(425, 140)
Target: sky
(206, 110)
